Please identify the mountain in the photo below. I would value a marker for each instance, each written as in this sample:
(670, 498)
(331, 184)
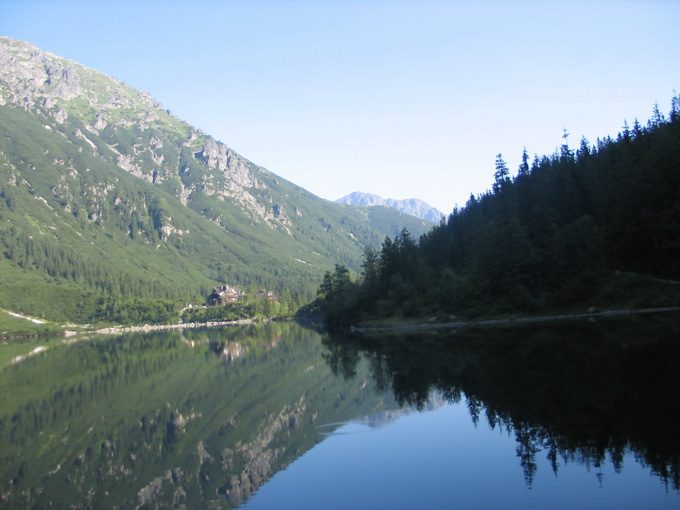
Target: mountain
(411, 206)
(107, 198)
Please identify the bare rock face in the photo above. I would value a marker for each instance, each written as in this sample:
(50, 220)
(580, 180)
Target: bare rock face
(60, 115)
(236, 183)
(62, 81)
(412, 206)
(30, 73)
(215, 154)
(32, 78)
(218, 156)
(47, 85)
(100, 122)
(280, 214)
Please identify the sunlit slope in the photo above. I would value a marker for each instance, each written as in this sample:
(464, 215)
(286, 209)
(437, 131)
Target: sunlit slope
(105, 193)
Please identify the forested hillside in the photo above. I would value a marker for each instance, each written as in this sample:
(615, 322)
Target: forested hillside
(112, 209)
(595, 225)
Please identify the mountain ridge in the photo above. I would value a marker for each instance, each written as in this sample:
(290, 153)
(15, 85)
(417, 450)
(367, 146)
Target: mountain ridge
(413, 206)
(106, 196)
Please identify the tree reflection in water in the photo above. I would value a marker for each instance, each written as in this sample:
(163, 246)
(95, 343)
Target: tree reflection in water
(200, 418)
(204, 418)
(574, 391)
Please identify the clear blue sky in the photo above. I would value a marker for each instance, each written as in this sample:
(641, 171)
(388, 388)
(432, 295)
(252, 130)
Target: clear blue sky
(400, 98)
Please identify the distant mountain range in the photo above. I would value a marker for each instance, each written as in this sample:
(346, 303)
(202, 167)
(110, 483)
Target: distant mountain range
(412, 206)
(105, 195)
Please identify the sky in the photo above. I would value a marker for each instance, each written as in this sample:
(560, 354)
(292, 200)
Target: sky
(404, 99)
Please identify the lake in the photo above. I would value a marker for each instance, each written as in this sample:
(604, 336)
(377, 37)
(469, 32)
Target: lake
(575, 414)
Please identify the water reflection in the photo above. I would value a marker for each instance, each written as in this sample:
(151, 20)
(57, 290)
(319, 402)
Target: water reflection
(203, 418)
(572, 392)
(200, 418)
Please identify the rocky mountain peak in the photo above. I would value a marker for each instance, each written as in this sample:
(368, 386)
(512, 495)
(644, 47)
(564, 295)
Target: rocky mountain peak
(30, 73)
(413, 206)
(63, 90)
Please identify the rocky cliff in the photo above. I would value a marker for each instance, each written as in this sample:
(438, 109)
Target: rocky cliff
(48, 85)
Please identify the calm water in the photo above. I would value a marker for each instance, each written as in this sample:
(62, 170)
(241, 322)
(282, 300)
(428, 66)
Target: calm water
(571, 415)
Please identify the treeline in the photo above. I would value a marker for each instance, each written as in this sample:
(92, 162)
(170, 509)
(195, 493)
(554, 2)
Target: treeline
(551, 236)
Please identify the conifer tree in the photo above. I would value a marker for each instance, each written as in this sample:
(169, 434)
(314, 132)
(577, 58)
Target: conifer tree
(501, 175)
(565, 152)
(524, 165)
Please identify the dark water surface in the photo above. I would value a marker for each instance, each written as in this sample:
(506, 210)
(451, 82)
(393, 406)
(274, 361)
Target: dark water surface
(568, 415)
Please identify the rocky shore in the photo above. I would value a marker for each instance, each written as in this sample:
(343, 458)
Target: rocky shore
(117, 330)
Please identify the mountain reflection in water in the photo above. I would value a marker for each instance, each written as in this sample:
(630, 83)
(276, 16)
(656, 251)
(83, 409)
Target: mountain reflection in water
(200, 418)
(205, 418)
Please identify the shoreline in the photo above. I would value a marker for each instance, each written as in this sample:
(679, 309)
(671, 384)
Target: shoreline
(517, 320)
(116, 330)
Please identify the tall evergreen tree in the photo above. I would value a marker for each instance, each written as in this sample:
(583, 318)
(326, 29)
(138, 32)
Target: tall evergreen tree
(524, 165)
(501, 175)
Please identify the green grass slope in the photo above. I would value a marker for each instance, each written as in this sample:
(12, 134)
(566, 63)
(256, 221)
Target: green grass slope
(108, 202)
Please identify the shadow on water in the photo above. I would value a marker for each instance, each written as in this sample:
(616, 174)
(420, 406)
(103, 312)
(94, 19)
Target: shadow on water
(572, 391)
